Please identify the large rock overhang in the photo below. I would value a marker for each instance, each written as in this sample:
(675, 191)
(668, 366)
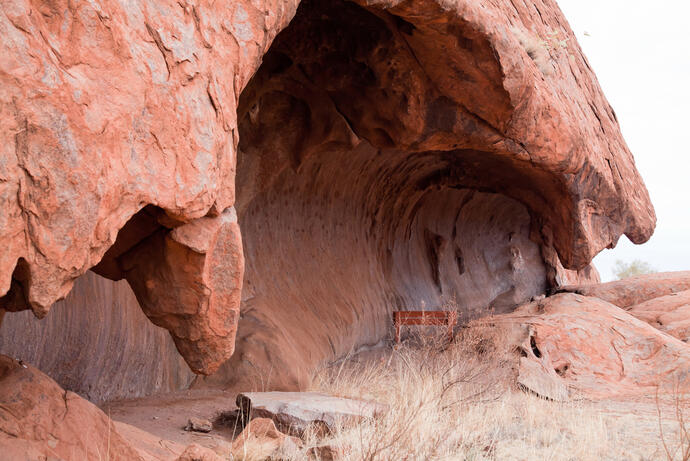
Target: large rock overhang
(387, 153)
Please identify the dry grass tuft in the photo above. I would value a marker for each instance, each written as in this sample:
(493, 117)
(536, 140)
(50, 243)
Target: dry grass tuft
(542, 50)
(676, 444)
(458, 403)
(536, 48)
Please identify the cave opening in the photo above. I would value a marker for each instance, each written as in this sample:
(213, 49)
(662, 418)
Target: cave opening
(362, 189)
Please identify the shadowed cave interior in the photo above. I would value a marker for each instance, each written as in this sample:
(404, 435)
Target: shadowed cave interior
(356, 199)
(361, 189)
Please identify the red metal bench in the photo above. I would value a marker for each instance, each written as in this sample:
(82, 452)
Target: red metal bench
(448, 318)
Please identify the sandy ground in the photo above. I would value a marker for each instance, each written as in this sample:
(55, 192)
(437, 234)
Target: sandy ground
(156, 424)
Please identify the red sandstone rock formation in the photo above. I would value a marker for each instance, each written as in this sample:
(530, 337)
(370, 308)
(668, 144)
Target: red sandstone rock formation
(260, 439)
(387, 153)
(114, 111)
(635, 290)
(590, 347)
(198, 453)
(670, 314)
(39, 420)
(98, 343)
(661, 299)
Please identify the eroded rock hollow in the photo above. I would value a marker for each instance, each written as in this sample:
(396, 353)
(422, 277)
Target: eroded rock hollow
(275, 179)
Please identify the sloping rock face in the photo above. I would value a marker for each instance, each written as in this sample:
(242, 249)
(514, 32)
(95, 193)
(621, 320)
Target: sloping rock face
(660, 299)
(39, 420)
(573, 345)
(384, 153)
(628, 292)
(670, 314)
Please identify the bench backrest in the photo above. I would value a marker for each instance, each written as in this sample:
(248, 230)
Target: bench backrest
(424, 317)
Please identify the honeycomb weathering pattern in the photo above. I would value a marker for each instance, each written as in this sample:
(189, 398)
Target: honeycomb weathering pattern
(121, 118)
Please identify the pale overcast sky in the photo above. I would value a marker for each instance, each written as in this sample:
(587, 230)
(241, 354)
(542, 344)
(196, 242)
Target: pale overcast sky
(640, 51)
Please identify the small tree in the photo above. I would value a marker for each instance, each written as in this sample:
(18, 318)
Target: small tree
(624, 270)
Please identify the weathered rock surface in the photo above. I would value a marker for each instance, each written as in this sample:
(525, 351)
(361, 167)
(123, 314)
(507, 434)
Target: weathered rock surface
(260, 439)
(108, 109)
(596, 349)
(374, 199)
(39, 420)
(670, 314)
(196, 452)
(538, 377)
(627, 292)
(198, 425)
(387, 153)
(295, 412)
(188, 280)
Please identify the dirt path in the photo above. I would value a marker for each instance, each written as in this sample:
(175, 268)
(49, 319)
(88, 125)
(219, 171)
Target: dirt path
(156, 424)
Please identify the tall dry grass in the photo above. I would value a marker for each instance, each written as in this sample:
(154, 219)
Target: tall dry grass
(676, 444)
(457, 403)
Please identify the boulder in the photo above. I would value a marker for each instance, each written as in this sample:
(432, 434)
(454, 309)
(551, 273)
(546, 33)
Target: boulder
(198, 425)
(295, 412)
(538, 376)
(260, 439)
(670, 314)
(589, 346)
(196, 452)
(40, 420)
(324, 453)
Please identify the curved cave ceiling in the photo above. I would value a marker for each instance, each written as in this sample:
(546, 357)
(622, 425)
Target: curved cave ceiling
(362, 189)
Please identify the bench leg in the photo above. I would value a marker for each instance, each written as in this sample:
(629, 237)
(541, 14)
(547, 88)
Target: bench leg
(452, 321)
(397, 332)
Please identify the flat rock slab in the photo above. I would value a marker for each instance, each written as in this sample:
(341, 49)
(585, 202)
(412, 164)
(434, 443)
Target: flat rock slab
(534, 377)
(294, 412)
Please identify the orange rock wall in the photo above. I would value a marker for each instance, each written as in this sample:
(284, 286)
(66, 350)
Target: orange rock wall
(98, 343)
